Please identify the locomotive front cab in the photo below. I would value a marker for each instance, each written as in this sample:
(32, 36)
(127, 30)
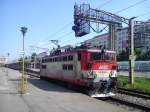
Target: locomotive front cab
(101, 68)
(103, 64)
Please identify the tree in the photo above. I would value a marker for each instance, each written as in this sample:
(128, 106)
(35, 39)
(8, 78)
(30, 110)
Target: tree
(123, 56)
(33, 57)
(138, 51)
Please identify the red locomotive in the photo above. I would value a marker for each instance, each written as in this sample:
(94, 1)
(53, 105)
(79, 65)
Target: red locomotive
(91, 68)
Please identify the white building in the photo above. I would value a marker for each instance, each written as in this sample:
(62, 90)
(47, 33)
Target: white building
(100, 40)
(3, 60)
(122, 40)
(141, 38)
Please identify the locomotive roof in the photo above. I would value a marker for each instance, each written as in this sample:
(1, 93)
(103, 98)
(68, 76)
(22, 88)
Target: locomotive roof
(72, 51)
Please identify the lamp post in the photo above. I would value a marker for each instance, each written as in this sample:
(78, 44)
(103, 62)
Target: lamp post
(23, 31)
(7, 62)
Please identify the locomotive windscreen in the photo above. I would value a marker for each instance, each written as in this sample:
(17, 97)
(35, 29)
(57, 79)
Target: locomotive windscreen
(102, 56)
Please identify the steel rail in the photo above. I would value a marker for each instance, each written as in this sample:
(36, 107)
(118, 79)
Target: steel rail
(134, 93)
(131, 104)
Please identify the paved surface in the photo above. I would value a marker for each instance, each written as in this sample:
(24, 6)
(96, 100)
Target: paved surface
(46, 97)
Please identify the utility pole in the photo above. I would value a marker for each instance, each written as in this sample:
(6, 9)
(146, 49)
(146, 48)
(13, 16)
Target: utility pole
(34, 62)
(23, 31)
(131, 50)
(112, 30)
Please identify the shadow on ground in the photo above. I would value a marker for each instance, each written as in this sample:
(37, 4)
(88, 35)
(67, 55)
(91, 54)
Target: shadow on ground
(49, 86)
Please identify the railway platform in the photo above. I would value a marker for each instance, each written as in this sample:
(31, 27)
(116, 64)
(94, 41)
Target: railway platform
(44, 96)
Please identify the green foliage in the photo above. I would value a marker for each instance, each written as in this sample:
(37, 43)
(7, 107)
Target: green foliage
(138, 51)
(145, 56)
(141, 83)
(123, 56)
(33, 57)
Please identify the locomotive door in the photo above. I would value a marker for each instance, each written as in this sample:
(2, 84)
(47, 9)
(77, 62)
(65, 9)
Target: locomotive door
(76, 66)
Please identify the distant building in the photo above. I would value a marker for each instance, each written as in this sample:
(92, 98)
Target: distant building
(122, 41)
(100, 40)
(142, 35)
(3, 60)
(42, 54)
(141, 38)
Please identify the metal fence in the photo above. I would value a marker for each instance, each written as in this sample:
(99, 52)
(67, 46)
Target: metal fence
(141, 66)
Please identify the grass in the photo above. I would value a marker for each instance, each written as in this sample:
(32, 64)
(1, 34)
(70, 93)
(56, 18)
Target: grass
(140, 83)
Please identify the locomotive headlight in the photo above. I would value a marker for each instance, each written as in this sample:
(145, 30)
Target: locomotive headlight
(113, 73)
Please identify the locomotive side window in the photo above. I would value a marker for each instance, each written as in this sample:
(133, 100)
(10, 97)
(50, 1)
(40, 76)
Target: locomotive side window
(56, 59)
(70, 67)
(64, 67)
(53, 60)
(64, 58)
(67, 67)
(70, 58)
(42, 60)
(79, 56)
(50, 59)
(59, 58)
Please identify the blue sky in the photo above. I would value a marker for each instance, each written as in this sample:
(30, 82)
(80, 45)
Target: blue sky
(46, 17)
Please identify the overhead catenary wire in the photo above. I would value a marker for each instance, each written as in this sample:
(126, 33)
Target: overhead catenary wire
(66, 34)
(72, 21)
(128, 7)
(144, 14)
(59, 30)
(99, 6)
(133, 5)
(105, 3)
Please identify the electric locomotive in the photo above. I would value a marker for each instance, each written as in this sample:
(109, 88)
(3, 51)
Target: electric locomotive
(92, 68)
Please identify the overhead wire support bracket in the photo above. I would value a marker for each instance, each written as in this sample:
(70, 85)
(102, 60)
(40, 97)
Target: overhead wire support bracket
(84, 15)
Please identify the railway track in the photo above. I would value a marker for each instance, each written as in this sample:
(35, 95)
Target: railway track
(133, 98)
(131, 104)
(127, 97)
(134, 93)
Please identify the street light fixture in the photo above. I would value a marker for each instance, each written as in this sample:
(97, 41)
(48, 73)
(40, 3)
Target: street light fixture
(23, 31)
